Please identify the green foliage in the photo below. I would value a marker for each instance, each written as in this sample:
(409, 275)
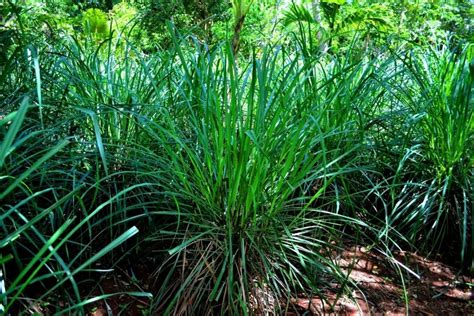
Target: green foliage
(297, 13)
(441, 135)
(35, 252)
(241, 8)
(243, 177)
(241, 166)
(195, 17)
(7, 34)
(257, 32)
(331, 9)
(375, 22)
(94, 22)
(51, 211)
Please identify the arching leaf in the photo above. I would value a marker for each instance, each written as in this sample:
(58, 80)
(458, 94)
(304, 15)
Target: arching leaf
(297, 13)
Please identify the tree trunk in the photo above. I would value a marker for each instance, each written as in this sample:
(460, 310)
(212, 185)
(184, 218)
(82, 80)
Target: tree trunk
(236, 38)
(316, 10)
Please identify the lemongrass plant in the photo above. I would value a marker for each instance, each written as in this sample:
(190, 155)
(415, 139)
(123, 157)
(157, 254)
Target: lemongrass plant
(244, 167)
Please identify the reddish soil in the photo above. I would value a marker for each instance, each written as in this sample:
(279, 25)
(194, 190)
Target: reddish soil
(433, 288)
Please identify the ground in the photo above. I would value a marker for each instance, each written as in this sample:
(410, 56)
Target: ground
(433, 288)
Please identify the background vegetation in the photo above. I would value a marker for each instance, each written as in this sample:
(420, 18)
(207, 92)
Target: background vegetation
(229, 146)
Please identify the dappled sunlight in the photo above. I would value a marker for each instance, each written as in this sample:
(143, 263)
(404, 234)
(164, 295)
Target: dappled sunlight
(236, 157)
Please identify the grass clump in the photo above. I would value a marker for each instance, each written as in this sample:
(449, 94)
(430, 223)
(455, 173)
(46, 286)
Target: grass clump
(245, 164)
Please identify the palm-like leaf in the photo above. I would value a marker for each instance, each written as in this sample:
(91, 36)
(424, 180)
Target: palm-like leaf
(297, 13)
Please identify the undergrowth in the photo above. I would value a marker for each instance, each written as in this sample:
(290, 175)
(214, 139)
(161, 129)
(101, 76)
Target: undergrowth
(246, 175)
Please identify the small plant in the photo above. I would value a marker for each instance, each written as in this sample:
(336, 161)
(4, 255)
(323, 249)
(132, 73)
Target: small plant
(95, 22)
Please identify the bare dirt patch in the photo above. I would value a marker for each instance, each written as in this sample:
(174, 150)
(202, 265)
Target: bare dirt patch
(432, 288)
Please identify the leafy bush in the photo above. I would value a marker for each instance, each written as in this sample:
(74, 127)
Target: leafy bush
(95, 23)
